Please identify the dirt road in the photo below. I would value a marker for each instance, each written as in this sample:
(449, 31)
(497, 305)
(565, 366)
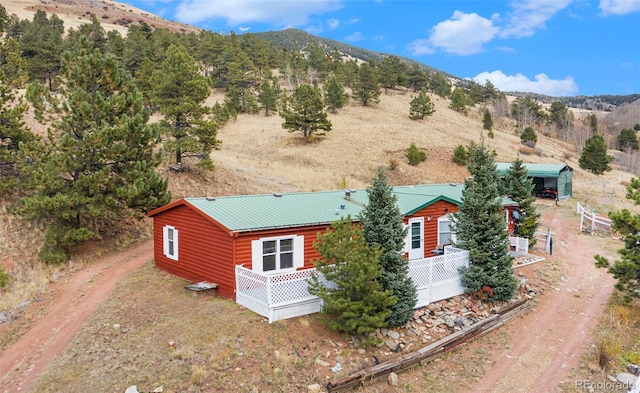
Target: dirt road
(76, 299)
(549, 341)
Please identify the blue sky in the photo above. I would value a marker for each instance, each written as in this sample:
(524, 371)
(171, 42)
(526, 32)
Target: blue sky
(553, 47)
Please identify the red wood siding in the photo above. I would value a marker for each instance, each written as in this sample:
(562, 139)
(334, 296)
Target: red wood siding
(205, 252)
(434, 211)
(243, 243)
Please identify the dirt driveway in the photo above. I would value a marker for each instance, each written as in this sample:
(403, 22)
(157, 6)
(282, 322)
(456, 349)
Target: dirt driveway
(549, 341)
(546, 342)
(75, 300)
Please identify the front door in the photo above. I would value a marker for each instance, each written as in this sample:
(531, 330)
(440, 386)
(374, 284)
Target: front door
(415, 238)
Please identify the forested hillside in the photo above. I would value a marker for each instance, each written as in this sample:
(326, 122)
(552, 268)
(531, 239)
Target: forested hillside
(99, 127)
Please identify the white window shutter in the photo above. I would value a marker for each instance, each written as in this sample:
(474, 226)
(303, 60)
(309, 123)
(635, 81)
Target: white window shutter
(407, 239)
(175, 244)
(165, 240)
(298, 252)
(256, 255)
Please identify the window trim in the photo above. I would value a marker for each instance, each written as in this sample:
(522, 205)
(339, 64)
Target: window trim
(452, 236)
(257, 254)
(166, 242)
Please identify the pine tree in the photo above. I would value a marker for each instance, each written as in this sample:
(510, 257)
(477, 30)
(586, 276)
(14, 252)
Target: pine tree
(594, 156)
(529, 137)
(334, 94)
(487, 122)
(627, 140)
(383, 227)
(13, 132)
(414, 155)
(421, 106)
(41, 44)
(367, 87)
(269, 95)
(460, 155)
(458, 101)
(355, 300)
(304, 112)
(179, 92)
(627, 269)
(519, 187)
(99, 165)
(480, 228)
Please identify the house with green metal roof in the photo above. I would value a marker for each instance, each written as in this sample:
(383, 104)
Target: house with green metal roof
(206, 238)
(558, 177)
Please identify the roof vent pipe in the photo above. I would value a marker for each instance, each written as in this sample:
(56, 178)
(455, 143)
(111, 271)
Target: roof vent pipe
(347, 195)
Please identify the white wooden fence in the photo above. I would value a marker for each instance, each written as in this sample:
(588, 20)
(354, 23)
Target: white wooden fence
(282, 296)
(590, 222)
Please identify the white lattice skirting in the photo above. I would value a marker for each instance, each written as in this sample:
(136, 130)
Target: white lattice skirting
(282, 296)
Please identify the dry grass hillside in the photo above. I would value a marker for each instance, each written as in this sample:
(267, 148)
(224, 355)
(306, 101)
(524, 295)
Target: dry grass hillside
(111, 14)
(259, 156)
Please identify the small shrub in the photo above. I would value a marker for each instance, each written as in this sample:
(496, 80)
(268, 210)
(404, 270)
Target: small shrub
(415, 155)
(607, 350)
(393, 163)
(460, 155)
(528, 136)
(4, 277)
(526, 150)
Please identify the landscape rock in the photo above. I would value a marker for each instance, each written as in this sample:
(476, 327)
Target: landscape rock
(322, 363)
(132, 389)
(627, 379)
(634, 369)
(393, 334)
(393, 379)
(336, 368)
(315, 388)
(5, 317)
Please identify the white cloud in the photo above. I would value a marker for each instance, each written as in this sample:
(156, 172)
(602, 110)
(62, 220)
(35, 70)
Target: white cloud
(281, 13)
(357, 36)
(333, 23)
(619, 7)
(463, 34)
(541, 85)
(529, 15)
(420, 47)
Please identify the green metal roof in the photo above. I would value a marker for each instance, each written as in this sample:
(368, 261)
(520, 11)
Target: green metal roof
(267, 211)
(536, 170)
(258, 212)
(243, 213)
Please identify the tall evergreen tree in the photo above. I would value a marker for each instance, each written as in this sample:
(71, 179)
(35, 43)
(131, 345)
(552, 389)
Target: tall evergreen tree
(383, 227)
(269, 94)
(421, 106)
(334, 94)
(179, 92)
(439, 84)
(304, 112)
(487, 122)
(355, 300)
(99, 165)
(626, 270)
(458, 101)
(519, 187)
(627, 140)
(594, 155)
(417, 79)
(480, 228)
(41, 44)
(367, 87)
(13, 108)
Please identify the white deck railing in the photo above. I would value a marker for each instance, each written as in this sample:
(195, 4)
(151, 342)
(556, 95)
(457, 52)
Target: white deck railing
(282, 296)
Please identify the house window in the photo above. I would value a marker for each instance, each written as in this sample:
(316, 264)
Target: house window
(445, 234)
(277, 254)
(170, 242)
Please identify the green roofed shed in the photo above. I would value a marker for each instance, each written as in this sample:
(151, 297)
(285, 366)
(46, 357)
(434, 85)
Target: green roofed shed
(555, 176)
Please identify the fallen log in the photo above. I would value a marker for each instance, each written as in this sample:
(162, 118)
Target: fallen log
(427, 354)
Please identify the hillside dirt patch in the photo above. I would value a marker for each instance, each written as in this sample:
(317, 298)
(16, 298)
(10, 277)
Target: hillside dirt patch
(72, 347)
